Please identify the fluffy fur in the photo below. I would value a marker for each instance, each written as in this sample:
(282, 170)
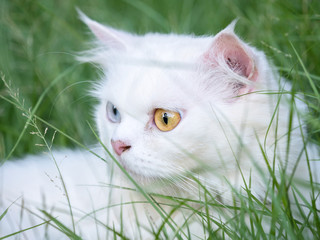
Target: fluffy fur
(221, 88)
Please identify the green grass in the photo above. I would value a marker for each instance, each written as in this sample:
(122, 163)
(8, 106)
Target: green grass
(38, 41)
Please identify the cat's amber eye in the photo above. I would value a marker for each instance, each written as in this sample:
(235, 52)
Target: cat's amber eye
(166, 120)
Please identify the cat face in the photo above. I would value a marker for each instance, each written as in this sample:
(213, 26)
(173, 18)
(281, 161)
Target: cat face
(154, 116)
(169, 103)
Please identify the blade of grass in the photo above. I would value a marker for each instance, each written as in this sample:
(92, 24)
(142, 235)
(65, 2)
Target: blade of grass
(62, 227)
(35, 108)
(58, 130)
(313, 86)
(26, 229)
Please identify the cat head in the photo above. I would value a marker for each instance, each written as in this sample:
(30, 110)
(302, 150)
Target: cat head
(170, 104)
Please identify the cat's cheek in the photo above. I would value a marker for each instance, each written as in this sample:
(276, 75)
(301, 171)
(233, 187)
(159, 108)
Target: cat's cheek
(101, 124)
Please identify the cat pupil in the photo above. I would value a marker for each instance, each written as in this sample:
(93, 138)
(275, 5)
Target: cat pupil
(165, 118)
(115, 111)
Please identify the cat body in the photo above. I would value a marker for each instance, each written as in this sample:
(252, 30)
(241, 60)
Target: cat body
(222, 103)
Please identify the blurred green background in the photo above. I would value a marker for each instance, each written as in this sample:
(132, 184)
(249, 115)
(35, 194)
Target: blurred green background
(39, 38)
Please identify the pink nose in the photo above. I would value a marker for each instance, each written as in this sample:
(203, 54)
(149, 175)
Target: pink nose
(119, 147)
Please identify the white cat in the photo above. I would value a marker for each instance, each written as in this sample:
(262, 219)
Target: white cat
(183, 116)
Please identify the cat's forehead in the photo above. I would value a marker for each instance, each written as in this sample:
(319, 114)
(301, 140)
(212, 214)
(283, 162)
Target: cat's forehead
(144, 87)
(170, 48)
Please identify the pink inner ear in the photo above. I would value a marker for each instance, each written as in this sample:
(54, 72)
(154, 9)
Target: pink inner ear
(239, 62)
(238, 59)
(105, 35)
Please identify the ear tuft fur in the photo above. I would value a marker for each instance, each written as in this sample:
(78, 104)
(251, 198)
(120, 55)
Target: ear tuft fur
(230, 28)
(108, 36)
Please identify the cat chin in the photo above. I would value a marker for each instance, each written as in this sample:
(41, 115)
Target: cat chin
(146, 176)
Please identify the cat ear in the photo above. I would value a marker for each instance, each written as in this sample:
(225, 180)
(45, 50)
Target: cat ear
(228, 50)
(106, 35)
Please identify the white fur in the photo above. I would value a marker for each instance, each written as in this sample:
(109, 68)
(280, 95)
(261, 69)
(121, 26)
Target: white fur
(219, 133)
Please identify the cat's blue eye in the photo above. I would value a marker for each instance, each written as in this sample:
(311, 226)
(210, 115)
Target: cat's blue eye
(113, 113)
